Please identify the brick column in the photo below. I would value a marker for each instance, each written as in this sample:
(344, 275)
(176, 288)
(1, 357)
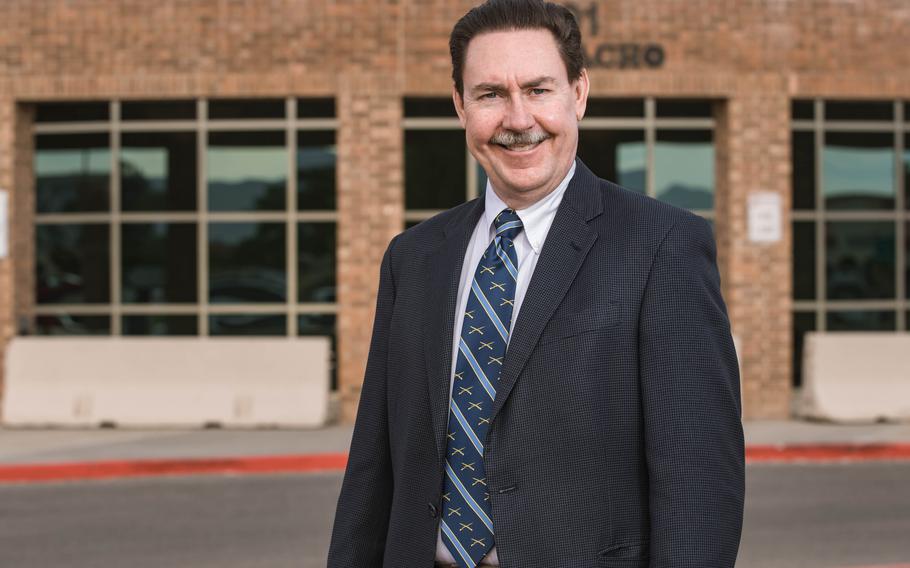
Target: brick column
(753, 154)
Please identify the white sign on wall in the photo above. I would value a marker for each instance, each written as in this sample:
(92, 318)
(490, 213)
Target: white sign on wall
(764, 214)
(4, 224)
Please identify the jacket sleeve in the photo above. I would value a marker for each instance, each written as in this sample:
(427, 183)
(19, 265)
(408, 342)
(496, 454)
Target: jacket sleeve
(691, 403)
(362, 514)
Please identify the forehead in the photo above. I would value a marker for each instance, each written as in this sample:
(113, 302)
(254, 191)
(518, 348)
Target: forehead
(514, 55)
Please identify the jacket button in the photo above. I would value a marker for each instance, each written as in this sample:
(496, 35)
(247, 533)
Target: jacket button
(434, 512)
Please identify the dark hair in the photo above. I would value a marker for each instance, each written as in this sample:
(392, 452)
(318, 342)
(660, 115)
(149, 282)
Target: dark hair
(502, 15)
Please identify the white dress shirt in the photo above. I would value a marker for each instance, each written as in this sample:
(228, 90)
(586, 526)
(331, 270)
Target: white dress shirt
(536, 220)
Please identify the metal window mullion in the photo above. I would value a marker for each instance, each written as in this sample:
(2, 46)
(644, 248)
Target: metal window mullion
(115, 232)
(821, 278)
(291, 217)
(72, 127)
(246, 216)
(900, 209)
(313, 123)
(246, 125)
(202, 228)
(650, 142)
(316, 216)
(317, 308)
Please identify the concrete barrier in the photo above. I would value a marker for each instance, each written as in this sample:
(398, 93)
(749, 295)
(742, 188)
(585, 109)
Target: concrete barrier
(153, 382)
(856, 377)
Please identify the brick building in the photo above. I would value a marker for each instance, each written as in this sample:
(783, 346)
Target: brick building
(237, 167)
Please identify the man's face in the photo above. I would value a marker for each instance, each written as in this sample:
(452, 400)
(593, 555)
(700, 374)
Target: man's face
(520, 112)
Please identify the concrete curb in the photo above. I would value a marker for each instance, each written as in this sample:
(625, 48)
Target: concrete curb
(336, 462)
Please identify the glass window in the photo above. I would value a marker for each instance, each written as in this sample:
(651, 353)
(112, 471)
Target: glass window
(158, 110)
(316, 159)
(859, 110)
(429, 107)
(158, 171)
(69, 324)
(907, 261)
(247, 171)
(316, 108)
(316, 262)
(684, 108)
(435, 172)
(623, 108)
(907, 171)
(158, 262)
(247, 263)
(803, 170)
(860, 260)
(616, 155)
(72, 264)
(858, 170)
(248, 324)
(803, 110)
(804, 260)
(246, 108)
(73, 112)
(802, 322)
(684, 168)
(861, 321)
(160, 325)
(72, 172)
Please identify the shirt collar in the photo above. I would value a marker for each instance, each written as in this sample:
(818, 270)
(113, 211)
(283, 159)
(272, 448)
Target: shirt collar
(535, 217)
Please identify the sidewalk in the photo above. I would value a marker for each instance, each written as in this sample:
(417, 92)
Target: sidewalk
(60, 454)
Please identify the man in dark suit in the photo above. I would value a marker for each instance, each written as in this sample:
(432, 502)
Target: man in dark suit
(551, 382)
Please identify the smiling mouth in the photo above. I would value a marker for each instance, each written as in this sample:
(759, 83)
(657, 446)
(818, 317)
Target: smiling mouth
(520, 147)
(519, 142)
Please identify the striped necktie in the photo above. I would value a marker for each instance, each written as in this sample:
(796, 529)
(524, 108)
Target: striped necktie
(467, 528)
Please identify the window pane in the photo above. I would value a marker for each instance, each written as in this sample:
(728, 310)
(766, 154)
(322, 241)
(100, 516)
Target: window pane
(907, 171)
(858, 170)
(160, 325)
(804, 260)
(803, 110)
(435, 176)
(316, 108)
(321, 324)
(247, 171)
(684, 109)
(316, 160)
(860, 260)
(615, 108)
(803, 170)
(684, 168)
(429, 107)
(248, 324)
(158, 171)
(859, 110)
(907, 261)
(72, 264)
(802, 322)
(247, 263)
(66, 324)
(246, 108)
(158, 110)
(72, 172)
(72, 112)
(617, 155)
(861, 321)
(316, 262)
(159, 262)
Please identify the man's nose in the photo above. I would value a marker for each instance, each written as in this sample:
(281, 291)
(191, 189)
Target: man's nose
(517, 116)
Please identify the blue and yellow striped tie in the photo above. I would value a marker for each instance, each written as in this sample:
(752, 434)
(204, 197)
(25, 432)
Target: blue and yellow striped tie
(467, 528)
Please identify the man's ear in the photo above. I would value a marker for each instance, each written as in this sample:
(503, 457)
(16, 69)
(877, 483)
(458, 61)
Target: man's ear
(459, 104)
(580, 87)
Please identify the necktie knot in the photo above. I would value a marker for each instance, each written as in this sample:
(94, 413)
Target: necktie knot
(507, 224)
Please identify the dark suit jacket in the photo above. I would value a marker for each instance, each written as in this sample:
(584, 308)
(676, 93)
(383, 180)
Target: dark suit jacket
(616, 437)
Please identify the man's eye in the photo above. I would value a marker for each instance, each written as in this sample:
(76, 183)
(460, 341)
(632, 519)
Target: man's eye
(490, 95)
(538, 91)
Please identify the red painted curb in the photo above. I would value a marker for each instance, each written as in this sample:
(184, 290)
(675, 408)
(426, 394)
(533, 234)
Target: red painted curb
(251, 465)
(32, 473)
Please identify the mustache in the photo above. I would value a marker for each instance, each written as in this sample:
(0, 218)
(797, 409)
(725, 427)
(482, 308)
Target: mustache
(512, 138)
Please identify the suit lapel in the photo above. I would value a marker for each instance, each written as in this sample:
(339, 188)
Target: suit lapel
(444, 272)
(567, 244)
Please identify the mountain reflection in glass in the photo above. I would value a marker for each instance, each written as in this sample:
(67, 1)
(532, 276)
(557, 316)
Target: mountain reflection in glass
(684, 168)
(158, 171)
(616, 155)
(247, 171)
(858, 170)
(72, 173)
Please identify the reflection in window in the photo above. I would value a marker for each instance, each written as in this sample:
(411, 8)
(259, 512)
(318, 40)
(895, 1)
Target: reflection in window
(247, 171)
(160, 325)
(804, 260)
(72, 264)
(68, 324)
(247, 262)
(72, 172)
(616, 155)
(858, 170)
(248, 324)
(860, 260)
(159, 264)
(316, 262)
(316, 158)
(434, 168)
(684, 168)
(158, 171)
(861, 321)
